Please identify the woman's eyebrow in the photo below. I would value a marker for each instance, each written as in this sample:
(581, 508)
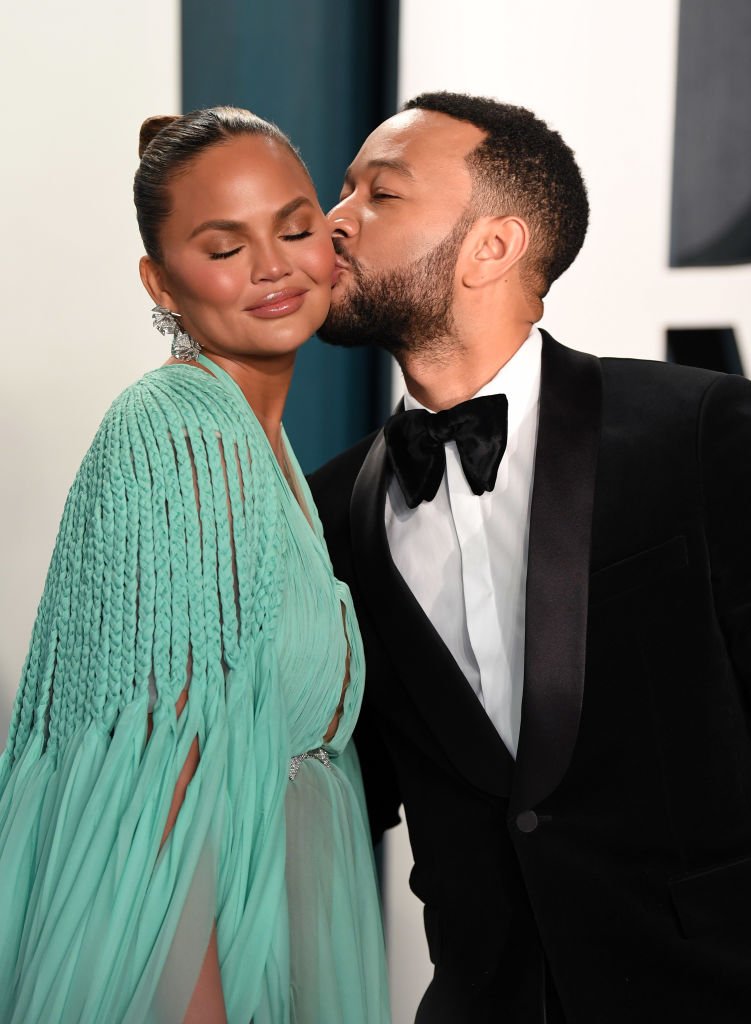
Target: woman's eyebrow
(237, 225)
(217, 225)
(289, 208)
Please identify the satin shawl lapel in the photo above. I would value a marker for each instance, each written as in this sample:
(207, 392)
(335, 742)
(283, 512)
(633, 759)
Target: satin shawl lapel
(558, 569)
(426, 667)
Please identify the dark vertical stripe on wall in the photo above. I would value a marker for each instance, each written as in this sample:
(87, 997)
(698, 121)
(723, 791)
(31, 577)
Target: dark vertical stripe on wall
(325, 72)
(711, 209)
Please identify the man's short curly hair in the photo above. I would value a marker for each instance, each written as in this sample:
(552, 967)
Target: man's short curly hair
(522, 168)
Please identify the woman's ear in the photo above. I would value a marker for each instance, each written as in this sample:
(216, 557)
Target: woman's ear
(493, 246)
(152, 276)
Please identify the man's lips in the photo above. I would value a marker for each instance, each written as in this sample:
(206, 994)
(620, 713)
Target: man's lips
(340, 265)
(280, 303)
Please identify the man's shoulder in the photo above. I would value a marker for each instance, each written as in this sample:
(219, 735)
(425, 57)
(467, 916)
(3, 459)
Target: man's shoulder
(650, 394)
(669, 388)
(654, 379)
(668, 374)
(628, 370)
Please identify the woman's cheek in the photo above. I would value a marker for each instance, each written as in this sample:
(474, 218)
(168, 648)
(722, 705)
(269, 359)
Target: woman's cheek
(321, 261)
(218, 284)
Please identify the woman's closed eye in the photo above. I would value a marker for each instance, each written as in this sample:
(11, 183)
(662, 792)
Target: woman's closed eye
(290, 237)
(225, 255)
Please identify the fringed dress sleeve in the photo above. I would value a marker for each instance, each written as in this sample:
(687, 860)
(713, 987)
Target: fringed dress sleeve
(165, 575)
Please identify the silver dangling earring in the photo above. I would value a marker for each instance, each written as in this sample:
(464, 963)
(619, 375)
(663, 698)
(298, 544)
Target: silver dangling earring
(184, 347)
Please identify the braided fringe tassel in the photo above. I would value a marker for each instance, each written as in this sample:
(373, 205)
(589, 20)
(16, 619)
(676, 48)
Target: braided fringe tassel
(165, 573)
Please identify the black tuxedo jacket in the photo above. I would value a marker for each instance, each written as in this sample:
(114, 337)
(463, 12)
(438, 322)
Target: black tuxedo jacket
(611, 865)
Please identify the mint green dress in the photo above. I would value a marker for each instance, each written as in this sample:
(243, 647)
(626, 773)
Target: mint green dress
(183, 558)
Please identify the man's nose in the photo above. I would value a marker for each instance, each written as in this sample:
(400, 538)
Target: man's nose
(342, 222)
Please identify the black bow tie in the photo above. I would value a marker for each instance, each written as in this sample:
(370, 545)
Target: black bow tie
(415, 440)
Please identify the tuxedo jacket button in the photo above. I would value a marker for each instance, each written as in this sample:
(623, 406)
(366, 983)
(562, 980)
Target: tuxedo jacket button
(527, 821)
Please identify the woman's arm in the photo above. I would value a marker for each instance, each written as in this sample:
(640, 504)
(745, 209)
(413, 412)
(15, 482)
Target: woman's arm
(163, 576)
(207, 1002)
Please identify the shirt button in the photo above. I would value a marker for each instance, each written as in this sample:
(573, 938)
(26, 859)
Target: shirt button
(527, 821)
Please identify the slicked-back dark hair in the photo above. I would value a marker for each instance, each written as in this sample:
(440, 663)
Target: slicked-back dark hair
(166, 147)
(522, 168)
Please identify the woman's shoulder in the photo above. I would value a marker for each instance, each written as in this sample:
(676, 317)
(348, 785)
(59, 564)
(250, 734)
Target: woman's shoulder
(174, 417)
(182, 397)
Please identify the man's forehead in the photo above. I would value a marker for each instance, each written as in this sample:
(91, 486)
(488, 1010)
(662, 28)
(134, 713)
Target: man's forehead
(418, 136)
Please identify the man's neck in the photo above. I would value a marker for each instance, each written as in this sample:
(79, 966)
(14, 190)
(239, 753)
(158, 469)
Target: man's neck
(459, 372)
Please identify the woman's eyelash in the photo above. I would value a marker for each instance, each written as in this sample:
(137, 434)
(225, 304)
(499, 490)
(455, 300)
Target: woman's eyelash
(377, 196)
(224, 255)
(233, 252)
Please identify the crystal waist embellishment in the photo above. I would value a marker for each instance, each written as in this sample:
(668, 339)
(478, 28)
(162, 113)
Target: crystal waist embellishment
(319, 754)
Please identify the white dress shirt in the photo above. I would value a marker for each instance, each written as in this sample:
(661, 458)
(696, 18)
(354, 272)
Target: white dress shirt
(464, 556)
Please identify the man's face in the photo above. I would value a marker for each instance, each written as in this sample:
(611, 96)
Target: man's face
(398, 228)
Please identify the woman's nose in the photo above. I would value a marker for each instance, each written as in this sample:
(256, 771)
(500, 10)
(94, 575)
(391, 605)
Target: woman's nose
(271, 264)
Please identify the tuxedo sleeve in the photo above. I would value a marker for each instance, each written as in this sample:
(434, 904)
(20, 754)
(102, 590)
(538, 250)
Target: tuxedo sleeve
(725, 459)
(331, 487)
(382, 795)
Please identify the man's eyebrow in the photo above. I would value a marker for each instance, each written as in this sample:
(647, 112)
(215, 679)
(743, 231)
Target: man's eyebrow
(385, 164)
(238, 226)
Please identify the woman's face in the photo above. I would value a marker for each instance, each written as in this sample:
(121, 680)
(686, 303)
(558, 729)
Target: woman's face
(247, 258)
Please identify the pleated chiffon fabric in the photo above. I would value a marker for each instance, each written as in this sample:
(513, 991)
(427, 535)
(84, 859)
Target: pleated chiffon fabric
(184, 559)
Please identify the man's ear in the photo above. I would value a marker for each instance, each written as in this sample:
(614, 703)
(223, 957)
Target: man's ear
(152, 276)
(493, 246)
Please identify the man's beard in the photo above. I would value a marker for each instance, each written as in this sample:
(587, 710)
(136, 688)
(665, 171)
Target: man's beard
(408, 309)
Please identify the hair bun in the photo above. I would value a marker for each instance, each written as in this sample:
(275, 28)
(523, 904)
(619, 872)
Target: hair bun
(151, 127)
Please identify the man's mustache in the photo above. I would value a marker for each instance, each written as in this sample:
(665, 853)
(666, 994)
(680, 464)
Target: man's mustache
(340, 250)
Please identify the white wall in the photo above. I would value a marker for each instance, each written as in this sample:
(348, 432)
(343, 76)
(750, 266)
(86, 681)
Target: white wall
(76, 79)
(603, 74)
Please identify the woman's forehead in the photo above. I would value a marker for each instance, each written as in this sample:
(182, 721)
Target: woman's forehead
(247, 175)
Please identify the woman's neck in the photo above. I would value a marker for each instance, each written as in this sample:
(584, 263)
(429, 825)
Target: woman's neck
(265, 385)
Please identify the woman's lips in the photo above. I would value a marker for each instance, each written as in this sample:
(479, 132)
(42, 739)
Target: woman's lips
(280, 303)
